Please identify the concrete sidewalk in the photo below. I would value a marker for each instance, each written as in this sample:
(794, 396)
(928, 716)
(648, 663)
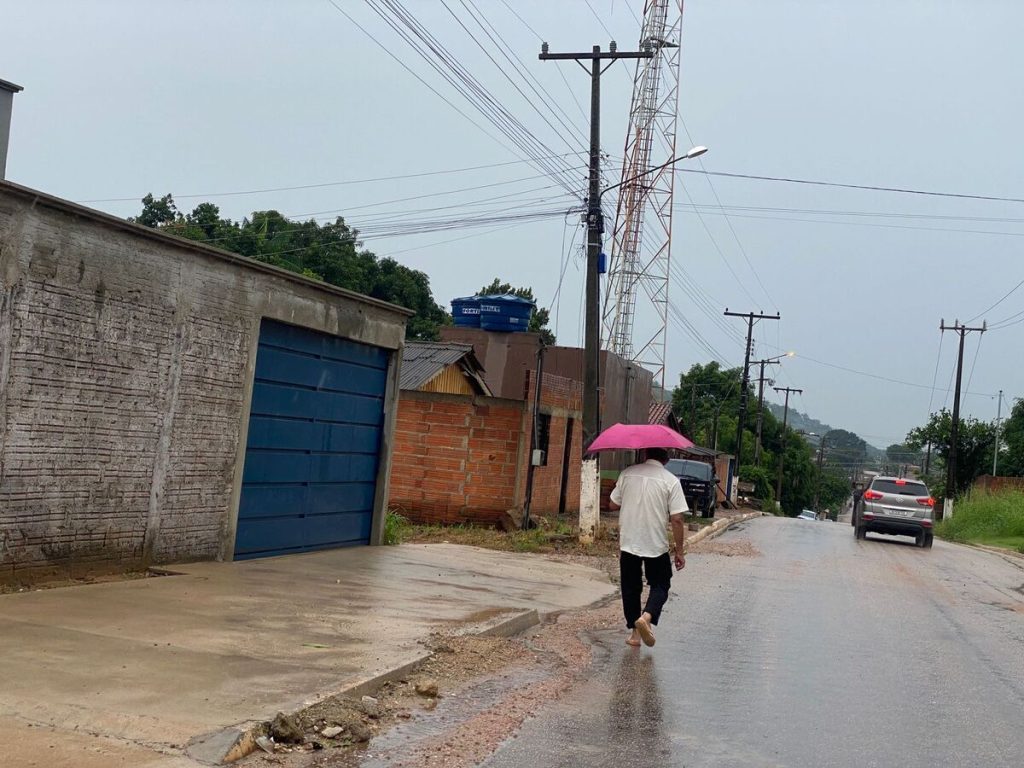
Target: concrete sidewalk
(148, 672)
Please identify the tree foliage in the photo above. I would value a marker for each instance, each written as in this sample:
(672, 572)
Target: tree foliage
(541, 315)
(1011, 439)
(707, 404)
(329, 252)
(975, 441)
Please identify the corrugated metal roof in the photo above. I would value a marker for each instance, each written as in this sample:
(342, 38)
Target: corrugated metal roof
(659, 413)
(423, 360)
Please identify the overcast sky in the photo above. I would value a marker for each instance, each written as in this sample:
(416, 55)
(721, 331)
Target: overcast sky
(222, 96)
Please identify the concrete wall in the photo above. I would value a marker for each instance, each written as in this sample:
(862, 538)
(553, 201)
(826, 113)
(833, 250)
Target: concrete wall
(126, 369)
(6, 107)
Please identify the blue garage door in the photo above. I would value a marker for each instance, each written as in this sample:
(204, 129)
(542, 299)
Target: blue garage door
(313, 451)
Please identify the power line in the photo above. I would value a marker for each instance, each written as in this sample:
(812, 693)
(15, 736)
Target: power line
(321, 185)
(1007, 295)
(868, 187)
(935, 375)
(728, 221)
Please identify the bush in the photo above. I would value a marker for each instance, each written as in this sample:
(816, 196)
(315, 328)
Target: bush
(993, 518)
(762, 480)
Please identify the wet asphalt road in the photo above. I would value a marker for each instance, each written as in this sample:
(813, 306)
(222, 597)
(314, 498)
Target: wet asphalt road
(821, 651)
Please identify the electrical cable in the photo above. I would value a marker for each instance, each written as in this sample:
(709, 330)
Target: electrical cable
(935, 375)
(868, 187)
(1007, 295)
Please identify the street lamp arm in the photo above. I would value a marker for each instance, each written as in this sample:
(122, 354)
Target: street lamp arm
(695, 152)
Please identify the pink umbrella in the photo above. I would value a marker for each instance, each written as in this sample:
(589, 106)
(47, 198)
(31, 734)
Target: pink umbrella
(635, 436)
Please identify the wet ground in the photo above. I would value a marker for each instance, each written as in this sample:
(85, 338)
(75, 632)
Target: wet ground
(799, 646)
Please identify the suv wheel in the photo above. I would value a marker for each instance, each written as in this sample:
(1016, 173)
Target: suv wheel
(928, 538)
(859, 532)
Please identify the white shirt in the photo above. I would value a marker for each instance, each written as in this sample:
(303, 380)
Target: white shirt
(648, 494)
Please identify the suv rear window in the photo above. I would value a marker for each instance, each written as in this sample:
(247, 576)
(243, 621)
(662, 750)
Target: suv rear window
(686, 468)
(906, 488)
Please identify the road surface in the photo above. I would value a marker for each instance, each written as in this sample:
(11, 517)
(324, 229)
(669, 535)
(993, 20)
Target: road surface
(815, 650)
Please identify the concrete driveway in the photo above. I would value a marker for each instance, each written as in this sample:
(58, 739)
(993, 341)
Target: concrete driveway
(148, 672)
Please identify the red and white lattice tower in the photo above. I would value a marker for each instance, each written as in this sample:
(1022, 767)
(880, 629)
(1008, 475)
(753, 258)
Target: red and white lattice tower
(642, 236)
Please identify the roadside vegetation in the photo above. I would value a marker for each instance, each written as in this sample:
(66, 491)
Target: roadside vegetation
(548, 537)
(994, 519)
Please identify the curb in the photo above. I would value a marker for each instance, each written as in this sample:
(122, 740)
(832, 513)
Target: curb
(232, 744)
(717, 528)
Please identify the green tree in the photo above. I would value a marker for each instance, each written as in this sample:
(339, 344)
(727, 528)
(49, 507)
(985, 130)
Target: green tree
(974, 447)
(705, 395)
(541, 315)
(329, 252)
(1011, 438)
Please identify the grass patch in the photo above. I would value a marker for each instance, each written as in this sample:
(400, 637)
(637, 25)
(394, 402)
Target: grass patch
(996, 519)
(396, 528)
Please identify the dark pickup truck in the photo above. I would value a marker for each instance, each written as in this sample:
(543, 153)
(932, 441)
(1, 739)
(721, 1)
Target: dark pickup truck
(698, 481)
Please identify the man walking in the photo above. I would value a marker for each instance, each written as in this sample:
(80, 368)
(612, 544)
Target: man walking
(650, 497)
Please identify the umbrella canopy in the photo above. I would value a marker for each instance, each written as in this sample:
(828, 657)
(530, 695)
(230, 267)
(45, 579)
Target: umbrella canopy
(636, 436)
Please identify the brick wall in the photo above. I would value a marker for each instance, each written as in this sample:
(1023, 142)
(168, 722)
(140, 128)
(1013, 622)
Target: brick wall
(990, 484)
(456, 458)
(561, 400)
(461, 459)
(125, 366)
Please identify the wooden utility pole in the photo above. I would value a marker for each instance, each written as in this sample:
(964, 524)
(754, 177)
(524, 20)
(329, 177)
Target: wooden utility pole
(590, 485)
(745, 384)
(782, 453)
(954, 430)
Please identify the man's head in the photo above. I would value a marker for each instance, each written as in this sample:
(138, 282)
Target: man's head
(658, 454)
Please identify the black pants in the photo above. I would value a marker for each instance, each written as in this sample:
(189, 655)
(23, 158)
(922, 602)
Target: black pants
(659, 576)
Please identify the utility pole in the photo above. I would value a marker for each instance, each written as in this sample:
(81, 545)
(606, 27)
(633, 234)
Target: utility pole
(995, 450)
(954, 431)
(782, 453)
(750, 317)
(691, 427)
(821, 458)
(760, 399)
(590, 481)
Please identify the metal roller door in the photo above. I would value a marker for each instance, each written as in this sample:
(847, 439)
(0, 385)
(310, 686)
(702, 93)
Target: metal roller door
(313, 450)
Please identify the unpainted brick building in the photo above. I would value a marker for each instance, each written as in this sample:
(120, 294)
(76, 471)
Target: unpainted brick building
(464, 459)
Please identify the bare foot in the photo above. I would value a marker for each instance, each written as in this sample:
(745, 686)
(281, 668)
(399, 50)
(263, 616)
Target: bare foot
(643, 628)
(633, 639)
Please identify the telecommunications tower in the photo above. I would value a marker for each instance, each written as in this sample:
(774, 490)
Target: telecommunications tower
(642, 235)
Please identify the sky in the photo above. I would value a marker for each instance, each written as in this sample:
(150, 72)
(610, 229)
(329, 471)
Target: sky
(209, 100)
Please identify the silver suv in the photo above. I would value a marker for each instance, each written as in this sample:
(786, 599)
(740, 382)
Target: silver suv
(896, 505)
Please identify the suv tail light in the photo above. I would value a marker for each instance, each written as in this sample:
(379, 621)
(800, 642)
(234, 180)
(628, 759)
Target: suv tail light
(926, 501)
(872, 495)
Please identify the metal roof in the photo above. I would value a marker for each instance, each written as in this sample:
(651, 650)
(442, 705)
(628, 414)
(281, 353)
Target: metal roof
(423, 360)
(9, 86)
(659, 413)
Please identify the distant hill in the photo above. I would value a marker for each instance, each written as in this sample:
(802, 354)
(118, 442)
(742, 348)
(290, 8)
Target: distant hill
(798, 420)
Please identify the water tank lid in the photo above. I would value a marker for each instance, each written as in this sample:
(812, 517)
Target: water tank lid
(508, 298)
(466, 298)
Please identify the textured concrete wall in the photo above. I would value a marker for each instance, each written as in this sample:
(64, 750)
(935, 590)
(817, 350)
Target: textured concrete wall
(126, 366)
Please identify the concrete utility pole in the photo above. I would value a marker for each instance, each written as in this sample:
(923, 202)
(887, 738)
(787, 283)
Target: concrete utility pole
(821, 458)
(995, 450)
(751, 317)
(954, 431)
(760, 399)
(590, 481)
(782, 453)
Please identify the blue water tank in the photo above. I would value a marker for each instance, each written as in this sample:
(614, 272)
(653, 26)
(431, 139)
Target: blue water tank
(505, 314)
(466, 312)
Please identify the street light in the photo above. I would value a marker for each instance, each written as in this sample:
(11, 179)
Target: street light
(760, 395)
(694, 152)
